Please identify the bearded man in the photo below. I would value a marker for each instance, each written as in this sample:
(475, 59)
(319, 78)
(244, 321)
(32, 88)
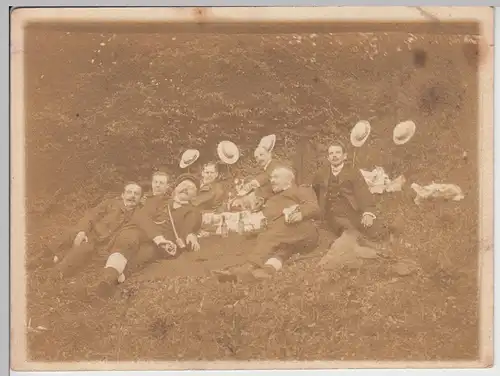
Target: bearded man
(289, 213)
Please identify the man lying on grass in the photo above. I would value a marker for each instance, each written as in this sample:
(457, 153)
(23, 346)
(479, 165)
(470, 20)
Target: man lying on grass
(164, 227)
(289, 213)
(98, 228)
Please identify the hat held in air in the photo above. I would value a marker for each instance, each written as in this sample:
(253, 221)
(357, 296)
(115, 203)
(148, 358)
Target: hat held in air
(189, 157)
(360, 133)
(228, 152)
(268, 142)
(403, 132)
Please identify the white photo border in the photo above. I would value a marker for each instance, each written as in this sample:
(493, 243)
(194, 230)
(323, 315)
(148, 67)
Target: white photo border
(16, 177)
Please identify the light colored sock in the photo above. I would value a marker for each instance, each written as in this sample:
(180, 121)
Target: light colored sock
(118, 262)
(275, 263)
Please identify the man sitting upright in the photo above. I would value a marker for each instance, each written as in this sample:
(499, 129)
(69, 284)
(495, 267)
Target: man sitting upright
(344, 197)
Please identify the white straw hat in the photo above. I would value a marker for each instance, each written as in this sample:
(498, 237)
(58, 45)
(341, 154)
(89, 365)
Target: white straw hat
(403, 132)
(189, 157)
(228, 152)
(268, 142)
(360, 133)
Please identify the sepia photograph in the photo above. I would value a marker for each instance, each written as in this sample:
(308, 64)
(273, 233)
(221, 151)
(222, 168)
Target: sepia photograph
(251, 188)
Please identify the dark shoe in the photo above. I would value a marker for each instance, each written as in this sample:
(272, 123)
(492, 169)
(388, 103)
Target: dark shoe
(234, 274)
(106, 286)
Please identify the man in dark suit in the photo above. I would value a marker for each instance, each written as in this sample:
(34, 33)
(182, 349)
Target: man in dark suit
(97, 228)
(289, 213)
(211, 193)
(163, 227)
(344, 197)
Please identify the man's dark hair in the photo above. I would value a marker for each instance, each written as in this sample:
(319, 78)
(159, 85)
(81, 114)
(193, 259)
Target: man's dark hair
(161, 173)
(131, 182)
(338, 143)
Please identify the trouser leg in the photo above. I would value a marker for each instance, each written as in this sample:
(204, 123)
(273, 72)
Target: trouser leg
(283, 241)
(147, 253)
(266, 243)
(305, 239)
(124, 248)
(76, 258)
(62, 244)
(308, 244)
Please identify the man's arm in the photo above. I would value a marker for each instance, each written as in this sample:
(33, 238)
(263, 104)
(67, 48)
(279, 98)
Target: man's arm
(260, 180)
(146, 217)
(219, 193)
(193, 221)
(316, 183)
(214, 196)
(86, 223)
(308, 203)
(203, 197)
(363, 195)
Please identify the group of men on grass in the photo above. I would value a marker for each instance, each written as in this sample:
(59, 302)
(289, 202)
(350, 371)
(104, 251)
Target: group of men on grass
(135, 229)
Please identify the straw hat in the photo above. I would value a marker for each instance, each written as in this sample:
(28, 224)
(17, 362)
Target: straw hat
(189, 157)
(268, 142)
(360, 133)
(228, 152)
(403, 132)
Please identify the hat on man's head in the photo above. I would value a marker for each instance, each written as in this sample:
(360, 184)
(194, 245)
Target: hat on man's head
(403, 132)
(228, 152)
(268, 142)
(189, 157)
(360, 133)
(190, 177)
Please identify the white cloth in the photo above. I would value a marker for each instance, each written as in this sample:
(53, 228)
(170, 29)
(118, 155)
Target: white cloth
(336, 170)
(434, 190)
(159, 239)
(251, 221)
(379, 182)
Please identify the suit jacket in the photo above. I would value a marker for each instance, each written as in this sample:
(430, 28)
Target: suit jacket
(210, 196)
(154, 219)
(105, 220)
(351, 187)
(303, 196)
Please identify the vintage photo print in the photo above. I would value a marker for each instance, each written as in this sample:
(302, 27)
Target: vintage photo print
(252, 188)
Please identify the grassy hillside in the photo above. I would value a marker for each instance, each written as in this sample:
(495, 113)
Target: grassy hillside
(107, 107)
